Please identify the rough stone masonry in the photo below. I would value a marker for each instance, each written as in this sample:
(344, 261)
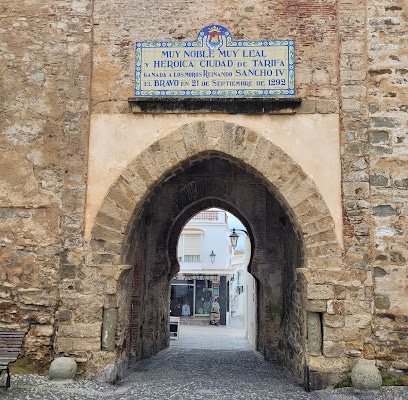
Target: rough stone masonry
(87, 252)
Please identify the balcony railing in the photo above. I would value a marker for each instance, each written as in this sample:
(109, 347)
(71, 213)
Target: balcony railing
(208, 216)
(191, 258)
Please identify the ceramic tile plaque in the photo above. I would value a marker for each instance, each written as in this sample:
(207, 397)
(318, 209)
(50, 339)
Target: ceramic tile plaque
(215, 65)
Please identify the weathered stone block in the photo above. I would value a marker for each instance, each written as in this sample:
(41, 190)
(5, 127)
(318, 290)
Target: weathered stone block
(382, 302)
(356, 189)
(383, 210)
(314, 333)
(327, 106)
(112, 221)
(378, 151)
(320, 380)
(333, 349)
(314, 238)
(101, 232)
(353, 91)
(64, 315)
(87, 344)
(373, 108)
(356, 176)
(111, 286)
(42, 330)
(401, 183)
(64, 345)
(379, 137)
(109, 329)
(316, 305)
(351, 76)
(379, 180)
(333, 320)
(81, 330)
(384, 122)
(307, 107)
(379, 272)
(400, 365)
(345, 334)
(320, 292)
(352, 105)
(320, 363)
(359, 321)
(335, 307)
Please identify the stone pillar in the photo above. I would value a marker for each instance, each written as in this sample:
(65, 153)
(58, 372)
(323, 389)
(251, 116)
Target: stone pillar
(110, 317)
(314, 333)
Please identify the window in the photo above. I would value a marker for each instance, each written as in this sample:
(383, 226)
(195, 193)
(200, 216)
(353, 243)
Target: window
(189, 247)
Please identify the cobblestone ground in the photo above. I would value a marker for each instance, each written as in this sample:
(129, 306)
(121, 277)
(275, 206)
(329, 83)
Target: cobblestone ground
(206, 362)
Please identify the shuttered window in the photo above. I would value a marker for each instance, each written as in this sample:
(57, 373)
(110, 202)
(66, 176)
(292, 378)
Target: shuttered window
(189, 248)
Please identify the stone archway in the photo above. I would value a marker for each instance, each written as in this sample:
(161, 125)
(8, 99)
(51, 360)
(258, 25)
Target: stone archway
(134, 235)
(294, 189)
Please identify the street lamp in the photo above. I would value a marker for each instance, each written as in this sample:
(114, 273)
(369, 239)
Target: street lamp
(212, 256)
(234, 237)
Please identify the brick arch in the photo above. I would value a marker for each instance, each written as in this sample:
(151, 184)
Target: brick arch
(296, 191)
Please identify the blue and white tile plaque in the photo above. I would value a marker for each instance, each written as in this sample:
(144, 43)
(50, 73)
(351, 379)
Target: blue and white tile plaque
(215, 66)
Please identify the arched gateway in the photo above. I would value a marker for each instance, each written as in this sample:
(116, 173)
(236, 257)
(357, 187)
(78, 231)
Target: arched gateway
(133, 241)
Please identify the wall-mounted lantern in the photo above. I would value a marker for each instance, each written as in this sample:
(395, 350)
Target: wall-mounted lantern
(234, 237)
(212, 256)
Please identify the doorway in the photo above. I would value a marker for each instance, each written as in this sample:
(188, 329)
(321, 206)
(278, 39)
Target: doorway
(215, 180)
(270, 194)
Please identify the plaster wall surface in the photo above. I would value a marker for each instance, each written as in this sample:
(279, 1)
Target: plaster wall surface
(311, 140)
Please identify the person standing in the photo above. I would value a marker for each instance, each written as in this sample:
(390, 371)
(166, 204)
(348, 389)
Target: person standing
(215, 306)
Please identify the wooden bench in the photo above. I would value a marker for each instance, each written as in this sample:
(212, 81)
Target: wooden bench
(10, 346)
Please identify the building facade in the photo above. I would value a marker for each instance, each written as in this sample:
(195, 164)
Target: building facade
(96, 185)
(206, 271)
(243, 291)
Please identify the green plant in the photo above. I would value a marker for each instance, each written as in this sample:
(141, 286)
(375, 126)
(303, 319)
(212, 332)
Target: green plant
(391, 380)
(345, 382)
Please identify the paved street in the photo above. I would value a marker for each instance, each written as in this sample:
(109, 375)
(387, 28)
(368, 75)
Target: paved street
(206, 362)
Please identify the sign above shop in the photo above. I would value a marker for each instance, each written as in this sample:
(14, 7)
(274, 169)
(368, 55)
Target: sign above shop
(215, 66)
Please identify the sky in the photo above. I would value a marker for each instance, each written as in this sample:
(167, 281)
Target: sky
(234, 222)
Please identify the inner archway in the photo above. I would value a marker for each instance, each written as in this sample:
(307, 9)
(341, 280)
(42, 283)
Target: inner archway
(205, 290)
(144, 212)
(216, 180)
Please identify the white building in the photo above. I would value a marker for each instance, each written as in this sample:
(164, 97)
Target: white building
(211, 268)
(206, 269)
(243, 291)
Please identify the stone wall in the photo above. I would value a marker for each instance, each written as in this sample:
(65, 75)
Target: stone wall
(373, 130)
(312, 24)
(387, 129)
(62, 62)
(45, 76)
(374, 151)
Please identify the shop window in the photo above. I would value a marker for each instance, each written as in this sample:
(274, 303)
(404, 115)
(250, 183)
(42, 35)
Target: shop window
(193, 297)
(182, 298)
(203, 297)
